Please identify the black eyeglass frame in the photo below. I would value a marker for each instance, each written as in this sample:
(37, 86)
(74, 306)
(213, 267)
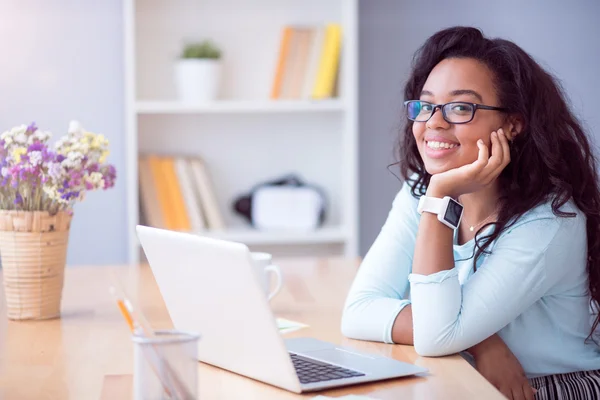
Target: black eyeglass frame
(475, 106)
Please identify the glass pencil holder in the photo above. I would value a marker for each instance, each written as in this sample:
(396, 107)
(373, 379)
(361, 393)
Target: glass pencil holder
(165, 366)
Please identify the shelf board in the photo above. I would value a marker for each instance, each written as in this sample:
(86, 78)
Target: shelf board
(239, 106)
(251, 236)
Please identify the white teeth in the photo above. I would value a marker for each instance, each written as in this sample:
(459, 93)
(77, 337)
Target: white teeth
(441, 145)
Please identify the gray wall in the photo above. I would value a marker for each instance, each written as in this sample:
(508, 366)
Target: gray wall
(563, 35)
(62, 60)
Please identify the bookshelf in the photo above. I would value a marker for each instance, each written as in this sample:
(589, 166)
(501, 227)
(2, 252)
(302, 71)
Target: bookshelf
(245, 137)
(239, 107)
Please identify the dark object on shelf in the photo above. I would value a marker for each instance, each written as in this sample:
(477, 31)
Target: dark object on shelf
(284, 203)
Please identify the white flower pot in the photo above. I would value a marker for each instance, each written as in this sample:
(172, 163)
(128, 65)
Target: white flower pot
(197, 80)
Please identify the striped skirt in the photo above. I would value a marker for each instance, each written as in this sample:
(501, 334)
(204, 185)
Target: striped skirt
(584, 385)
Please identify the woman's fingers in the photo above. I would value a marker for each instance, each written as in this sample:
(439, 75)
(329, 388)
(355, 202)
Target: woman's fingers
(500, 156)
(506, 148)
(495, 160)
(517, 393)
(482, 159)
(497, 152)
(528, 391)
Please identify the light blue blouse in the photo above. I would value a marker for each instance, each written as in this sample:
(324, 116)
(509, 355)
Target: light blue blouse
(532, 290)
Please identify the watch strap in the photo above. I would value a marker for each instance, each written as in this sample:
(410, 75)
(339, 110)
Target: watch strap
(430, 204)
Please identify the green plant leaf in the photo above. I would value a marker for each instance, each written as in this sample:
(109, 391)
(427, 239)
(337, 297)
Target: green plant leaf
(205, 49)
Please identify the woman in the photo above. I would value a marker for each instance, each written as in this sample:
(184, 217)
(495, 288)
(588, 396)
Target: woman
(510, 281)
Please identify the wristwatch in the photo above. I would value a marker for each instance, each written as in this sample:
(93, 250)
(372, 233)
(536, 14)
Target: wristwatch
(449, 211)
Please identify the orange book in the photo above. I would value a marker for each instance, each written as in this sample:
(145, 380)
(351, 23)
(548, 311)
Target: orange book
(162, 191)
(177, 203)
(281, 64)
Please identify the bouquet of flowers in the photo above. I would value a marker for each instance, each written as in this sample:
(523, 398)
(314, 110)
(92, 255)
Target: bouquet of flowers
(37, 177)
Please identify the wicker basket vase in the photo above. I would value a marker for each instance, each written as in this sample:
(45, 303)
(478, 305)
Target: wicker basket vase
(33, 251)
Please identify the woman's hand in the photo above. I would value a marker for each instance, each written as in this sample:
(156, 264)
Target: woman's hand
(475, 176)
(497, 364)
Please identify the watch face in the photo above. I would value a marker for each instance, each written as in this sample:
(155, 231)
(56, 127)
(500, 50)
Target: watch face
(453, 212)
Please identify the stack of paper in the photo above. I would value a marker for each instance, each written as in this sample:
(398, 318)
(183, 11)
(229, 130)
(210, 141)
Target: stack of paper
(347, 397)
(285, 325)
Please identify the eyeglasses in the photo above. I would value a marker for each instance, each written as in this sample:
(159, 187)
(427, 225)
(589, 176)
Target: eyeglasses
(457, 112)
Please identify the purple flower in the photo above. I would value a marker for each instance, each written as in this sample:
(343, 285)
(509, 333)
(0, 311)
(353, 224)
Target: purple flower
(69, 195)
(18, 199)
(109, 173)
(31, 128)
(47, 155)
(37, 146)
(60, 158)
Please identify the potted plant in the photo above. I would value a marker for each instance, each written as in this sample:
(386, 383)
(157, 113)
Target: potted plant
(39, 186)
(198, 72)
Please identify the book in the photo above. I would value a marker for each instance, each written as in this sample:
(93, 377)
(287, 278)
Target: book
(162, 191)
(176, 201)
(329, 62)
(191, 200)
(281, 62)
(314, 55)
(150, 206)
(206, 192)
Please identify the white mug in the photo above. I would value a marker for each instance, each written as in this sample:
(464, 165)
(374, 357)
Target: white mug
(262, 261)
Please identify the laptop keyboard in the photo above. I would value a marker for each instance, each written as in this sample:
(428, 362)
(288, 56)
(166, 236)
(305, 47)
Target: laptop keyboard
(311, 371)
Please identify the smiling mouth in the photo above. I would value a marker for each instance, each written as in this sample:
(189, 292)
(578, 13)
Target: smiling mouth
(440, 145)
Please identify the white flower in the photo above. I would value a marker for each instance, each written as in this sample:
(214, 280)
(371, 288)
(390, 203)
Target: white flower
(21, 138)
(75, 156)
(18, 130)
(7, 140)
(4, 172)
(96, 179)
(55, 170)
(61, 142)
(40, 136)
(69, 163)
(53, 194)
(35, 158)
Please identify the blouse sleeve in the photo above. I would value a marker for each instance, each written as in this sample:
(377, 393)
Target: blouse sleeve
(378, 292)
(524, 264)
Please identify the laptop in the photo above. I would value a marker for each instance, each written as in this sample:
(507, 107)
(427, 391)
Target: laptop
(210, 286)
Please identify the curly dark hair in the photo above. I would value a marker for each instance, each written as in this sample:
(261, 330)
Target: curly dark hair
(551, 158)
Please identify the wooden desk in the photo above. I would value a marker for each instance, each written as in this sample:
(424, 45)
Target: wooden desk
(87, 354)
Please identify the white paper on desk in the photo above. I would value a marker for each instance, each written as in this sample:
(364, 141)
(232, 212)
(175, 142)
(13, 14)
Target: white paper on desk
(285, 325)
(347, 397)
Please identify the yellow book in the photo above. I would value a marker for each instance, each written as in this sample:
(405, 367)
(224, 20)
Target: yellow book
(177, 203)
(162, 191)
(329, 62)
